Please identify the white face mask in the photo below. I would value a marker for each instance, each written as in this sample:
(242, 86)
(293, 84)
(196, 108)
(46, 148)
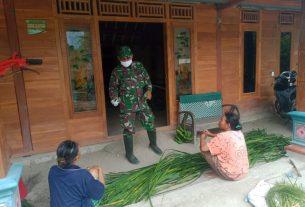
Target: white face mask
(127, 63)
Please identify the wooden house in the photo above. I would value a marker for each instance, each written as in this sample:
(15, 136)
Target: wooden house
(188, 47)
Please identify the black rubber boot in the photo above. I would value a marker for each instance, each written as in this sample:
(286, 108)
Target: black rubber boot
(128, 142)
(153, 142)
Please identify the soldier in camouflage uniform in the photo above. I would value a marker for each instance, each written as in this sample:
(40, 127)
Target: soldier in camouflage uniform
(130, 87)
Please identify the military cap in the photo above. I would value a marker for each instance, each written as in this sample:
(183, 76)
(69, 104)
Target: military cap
(124, 52)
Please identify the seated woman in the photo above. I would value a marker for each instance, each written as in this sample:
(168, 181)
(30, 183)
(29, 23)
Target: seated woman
(226, 152)
(71, 185)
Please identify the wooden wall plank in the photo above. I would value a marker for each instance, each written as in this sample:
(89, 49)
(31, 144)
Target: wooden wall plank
(230, 30)
(230, 17)
(39, 5)
(205, 14)
(270, 51)
(80, 130)
(44, 91)
(206, 78)
(9, 117)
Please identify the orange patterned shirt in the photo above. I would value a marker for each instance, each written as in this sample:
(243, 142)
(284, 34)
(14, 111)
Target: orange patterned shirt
(231, 151)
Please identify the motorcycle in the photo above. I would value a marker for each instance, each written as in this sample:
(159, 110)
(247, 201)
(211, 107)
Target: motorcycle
(285, 93)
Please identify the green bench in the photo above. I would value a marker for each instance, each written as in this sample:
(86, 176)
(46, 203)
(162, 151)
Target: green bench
(200, 109)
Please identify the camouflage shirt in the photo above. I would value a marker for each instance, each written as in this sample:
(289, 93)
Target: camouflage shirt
(130, 84)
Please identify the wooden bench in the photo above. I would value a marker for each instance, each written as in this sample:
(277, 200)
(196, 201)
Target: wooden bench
(200, 109)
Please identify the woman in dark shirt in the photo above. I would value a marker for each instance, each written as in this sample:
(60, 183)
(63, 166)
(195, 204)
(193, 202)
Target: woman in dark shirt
(71, 185)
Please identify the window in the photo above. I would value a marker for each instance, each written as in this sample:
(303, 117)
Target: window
(285, 51)
(81, 69)
(183, 71)
(249, 75)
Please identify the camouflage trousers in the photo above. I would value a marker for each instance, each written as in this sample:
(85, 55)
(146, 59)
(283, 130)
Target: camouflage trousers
(146, 118)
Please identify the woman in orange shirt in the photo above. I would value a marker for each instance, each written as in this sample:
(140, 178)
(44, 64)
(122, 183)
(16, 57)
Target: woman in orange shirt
(226, 152)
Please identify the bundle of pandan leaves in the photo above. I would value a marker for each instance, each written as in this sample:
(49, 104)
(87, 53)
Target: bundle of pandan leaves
(286, 195)
(176, 168)
(183, 135)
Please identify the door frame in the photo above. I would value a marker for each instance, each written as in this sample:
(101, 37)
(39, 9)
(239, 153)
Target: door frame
(168, 54)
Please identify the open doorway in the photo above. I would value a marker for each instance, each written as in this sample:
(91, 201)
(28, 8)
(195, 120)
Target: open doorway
(147, 43)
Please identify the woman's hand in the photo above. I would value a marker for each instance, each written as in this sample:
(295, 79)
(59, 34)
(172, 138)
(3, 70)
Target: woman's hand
(208, 133)
(97, 173)
(94, 171)
(203, 142)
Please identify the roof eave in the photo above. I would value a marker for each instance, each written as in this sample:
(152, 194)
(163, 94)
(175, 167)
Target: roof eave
(269, 7)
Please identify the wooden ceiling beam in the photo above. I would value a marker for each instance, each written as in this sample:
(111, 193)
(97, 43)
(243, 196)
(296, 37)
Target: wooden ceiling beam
(229, 4)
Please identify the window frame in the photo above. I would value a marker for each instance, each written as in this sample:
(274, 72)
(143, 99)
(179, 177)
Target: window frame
(76, 24)
(246, 27)
(291, 45)
(294, 44)
(190, 27)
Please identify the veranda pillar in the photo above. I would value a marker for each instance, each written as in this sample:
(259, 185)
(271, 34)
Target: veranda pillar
(301, 71)
(4, 158)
